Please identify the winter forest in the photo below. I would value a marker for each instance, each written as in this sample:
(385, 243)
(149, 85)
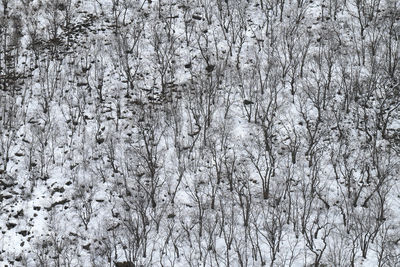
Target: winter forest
(138, 133)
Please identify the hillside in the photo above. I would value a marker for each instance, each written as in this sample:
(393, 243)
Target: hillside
(199, 133)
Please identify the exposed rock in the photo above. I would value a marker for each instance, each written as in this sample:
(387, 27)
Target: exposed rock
(124, 264)
(24, 233)
(10, 225)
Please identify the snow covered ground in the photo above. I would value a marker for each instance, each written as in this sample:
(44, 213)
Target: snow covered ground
(199, 133)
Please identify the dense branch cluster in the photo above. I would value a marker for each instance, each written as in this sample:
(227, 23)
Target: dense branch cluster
(199, 133)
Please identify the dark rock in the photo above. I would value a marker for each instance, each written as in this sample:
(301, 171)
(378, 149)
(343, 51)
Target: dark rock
(247, 102)
(210, 68)
(23, 233)
(7, 183)
(72, 166)
(81, 84)
(124, 264)
(19, 214)
(100, 140)
(196, 17)
(58, 190)
(57, 203)
(10, 225)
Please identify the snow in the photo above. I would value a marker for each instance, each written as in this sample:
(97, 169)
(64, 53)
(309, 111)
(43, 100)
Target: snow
(172, 169)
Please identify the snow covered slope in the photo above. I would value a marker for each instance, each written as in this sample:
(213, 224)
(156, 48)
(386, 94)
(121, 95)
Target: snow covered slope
(199, 133)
